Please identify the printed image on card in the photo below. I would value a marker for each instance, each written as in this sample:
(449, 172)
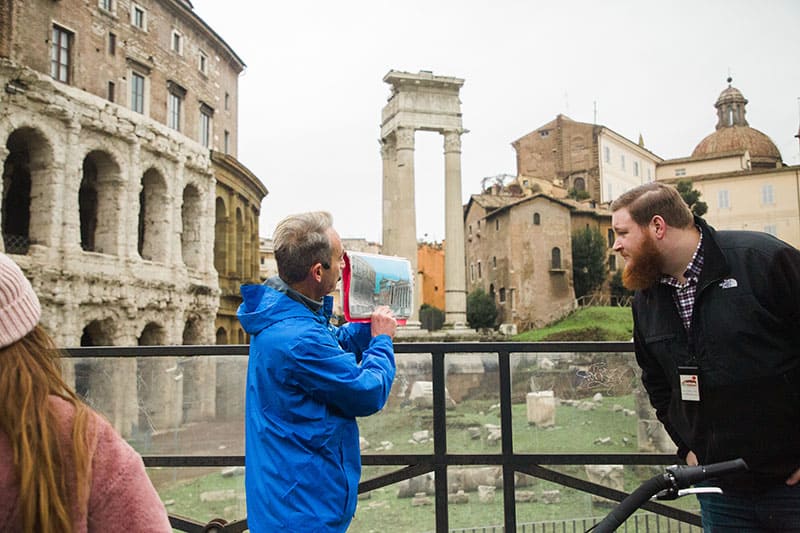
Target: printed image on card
(372, 280)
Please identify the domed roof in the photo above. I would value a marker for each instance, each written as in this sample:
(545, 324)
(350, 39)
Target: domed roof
(734, 134)
(737, 139)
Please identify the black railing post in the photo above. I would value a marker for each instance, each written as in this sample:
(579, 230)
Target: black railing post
(440, 442)
(507, 440)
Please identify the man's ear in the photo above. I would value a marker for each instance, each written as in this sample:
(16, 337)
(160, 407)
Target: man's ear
(316, 272)
(659, 226)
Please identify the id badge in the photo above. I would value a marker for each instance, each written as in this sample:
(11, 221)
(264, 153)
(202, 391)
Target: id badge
(690, 383)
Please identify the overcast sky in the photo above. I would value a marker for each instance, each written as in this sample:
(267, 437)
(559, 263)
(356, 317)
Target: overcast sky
(312, 93)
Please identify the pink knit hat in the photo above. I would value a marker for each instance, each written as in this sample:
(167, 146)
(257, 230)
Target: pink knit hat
(19, 307)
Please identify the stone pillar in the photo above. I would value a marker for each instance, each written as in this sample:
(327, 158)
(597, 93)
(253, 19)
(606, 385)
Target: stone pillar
(73, 173)
(389, 158)
(455, 281)
(403, 225)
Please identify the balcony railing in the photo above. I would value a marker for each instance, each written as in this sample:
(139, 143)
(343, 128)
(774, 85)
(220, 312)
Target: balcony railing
(398, 467)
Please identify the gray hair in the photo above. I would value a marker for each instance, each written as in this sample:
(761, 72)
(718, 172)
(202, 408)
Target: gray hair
(300, 241)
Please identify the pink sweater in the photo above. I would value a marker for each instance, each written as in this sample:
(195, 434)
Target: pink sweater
(121, 496)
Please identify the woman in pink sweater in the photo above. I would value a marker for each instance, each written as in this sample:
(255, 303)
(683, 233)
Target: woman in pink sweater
(63, 468)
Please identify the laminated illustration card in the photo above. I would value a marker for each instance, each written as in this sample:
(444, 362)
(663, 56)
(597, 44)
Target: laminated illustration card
(371, 280)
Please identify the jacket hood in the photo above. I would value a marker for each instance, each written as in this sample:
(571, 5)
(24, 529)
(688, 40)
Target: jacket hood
(264, 305)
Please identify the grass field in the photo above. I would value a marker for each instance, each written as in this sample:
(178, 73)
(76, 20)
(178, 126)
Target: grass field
(586, 324)
(575, 431)
(604, 429)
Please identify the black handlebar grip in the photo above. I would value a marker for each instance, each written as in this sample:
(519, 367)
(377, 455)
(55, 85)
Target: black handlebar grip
(686, 476)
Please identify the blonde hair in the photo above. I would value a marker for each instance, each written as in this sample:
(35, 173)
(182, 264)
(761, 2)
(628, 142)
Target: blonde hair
(30, 373)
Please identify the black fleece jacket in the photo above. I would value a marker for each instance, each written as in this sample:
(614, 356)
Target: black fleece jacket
(745, 342)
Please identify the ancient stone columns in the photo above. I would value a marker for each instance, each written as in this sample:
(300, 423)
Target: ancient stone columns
(423, 102)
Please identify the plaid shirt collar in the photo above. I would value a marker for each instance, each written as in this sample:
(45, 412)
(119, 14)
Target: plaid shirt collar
(693, 269)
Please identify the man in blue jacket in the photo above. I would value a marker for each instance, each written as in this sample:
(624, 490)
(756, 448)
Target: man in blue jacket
(717, 334)
(307, 381)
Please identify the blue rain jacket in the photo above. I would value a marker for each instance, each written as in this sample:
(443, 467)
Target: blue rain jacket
(306, 382)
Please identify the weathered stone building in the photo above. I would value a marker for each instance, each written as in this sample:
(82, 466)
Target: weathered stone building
(587, 158)
(117, 121)
(519, 251)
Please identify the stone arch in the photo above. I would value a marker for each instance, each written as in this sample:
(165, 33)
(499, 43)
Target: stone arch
(249, 255)
(97, 203)
(191, 217)
(222, 336)
(26, 178)
(579, 184)
(90, 374)
(239, 243)
(231, 381)
(199, 376)
(159, 384)
(220, 237)
(254, 248)
(153, 210)
(108, 384)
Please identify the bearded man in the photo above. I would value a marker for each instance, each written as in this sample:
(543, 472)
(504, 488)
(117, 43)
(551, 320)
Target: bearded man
(717, 335)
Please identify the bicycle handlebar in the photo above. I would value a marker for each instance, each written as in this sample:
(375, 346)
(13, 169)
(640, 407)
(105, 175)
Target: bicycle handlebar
(675, 478)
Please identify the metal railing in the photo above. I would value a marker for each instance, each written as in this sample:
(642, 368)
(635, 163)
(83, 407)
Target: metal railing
(537, 465)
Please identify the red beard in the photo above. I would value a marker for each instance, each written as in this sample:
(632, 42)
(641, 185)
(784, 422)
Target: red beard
(643, 269)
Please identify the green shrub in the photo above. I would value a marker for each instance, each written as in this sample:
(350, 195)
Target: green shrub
(431, 317)
(481, 311)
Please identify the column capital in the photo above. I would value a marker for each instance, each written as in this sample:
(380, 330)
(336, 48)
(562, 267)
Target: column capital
(387, 147)
(404, 138)
(452, 141)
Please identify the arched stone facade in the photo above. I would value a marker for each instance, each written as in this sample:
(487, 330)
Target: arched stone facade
(110, 208)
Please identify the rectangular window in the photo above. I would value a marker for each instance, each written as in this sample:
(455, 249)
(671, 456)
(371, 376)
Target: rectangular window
(479, 270)
(607, 154)
(502, 294)
(227, 101)
(649, 176)
(622, 161)
(174, 104)
(108, 5)
(139, 17)
(544, 133)
(767, 197)
(112, 90)
(205, 125)
(112, 44)
(635, 168)
(227, 138)
(202, 63)
(612, 262)
(494, 261)
(137, 92)
(497, 225)
(177, 42)
(680, 171)
(60, 53)
(722, 200)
